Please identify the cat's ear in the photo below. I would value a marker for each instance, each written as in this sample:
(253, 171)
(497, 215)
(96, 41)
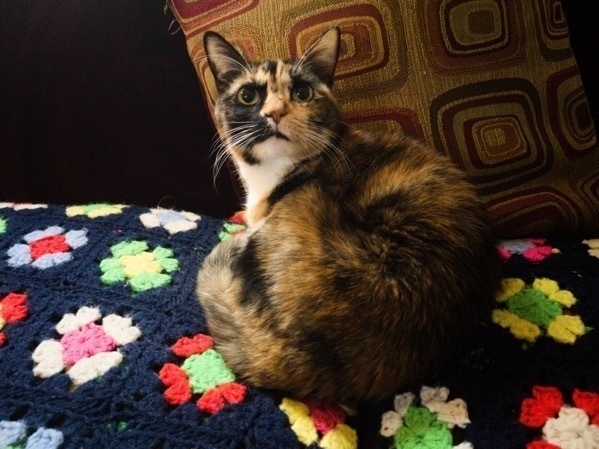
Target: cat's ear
(225, 62)
(322, 55)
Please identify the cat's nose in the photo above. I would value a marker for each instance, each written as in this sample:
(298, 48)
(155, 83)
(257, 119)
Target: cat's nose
(275, 116)
(275, 109)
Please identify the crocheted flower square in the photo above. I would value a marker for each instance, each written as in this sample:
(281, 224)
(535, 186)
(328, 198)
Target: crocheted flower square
(533, 250)
(14, 435)
(562, 425)
(529, 310)
(203, 372)
(22, 206)
(235, 225)
(428, 425)
(170, 220)
(12, 309)
(593, 245)
(95, 210)
(315, 423)
(46, 248)
(86, 349)
(132, 262)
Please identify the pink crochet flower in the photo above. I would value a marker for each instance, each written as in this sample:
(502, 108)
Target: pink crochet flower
(86, 350)
(85, 342)
(533, 250)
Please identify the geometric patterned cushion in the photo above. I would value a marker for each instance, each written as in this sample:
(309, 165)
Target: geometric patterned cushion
(493, 84)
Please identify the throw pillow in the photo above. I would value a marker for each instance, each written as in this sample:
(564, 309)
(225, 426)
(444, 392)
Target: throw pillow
(491, 83)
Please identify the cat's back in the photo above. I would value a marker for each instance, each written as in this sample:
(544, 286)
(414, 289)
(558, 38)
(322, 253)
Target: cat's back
(387, 180)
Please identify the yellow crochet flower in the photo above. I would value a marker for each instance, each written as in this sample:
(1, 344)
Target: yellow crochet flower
(321, 424)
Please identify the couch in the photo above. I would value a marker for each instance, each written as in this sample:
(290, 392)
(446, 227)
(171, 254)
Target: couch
(109, 203)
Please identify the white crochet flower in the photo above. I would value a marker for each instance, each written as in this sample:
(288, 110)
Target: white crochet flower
(572, 430)
(170, 220)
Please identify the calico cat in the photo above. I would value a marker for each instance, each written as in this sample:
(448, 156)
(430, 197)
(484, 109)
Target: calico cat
(367, 258)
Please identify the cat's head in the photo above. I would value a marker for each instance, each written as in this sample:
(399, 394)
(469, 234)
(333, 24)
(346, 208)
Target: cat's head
(274, 108)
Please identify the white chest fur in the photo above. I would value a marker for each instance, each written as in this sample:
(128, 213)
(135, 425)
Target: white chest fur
(260, 179)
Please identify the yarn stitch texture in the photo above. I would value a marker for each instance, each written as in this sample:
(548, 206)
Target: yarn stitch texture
(149, 359)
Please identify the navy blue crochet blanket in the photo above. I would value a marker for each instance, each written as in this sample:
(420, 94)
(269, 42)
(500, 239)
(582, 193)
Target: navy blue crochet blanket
(103, 345)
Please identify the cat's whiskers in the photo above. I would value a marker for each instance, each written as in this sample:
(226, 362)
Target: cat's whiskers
(327, 148)
(238, 137)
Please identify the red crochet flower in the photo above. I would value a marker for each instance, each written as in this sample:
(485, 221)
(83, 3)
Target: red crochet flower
(12, 309)
(185, 346)
(178, 390)
(546, 404)
(216, 399)
(51, 244)
(589, 402)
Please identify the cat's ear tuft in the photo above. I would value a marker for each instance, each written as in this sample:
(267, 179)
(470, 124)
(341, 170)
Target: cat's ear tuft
(322, 55)
(225, 62)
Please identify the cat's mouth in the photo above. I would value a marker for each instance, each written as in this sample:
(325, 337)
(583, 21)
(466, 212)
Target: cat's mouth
(272, 133)
(280, 135)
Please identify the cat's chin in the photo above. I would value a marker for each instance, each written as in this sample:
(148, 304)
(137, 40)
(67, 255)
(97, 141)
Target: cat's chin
(276, 146)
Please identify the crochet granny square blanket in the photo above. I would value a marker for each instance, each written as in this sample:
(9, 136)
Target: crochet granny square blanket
(104, 345)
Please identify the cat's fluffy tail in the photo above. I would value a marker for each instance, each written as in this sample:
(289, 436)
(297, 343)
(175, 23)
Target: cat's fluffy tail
(217, 289)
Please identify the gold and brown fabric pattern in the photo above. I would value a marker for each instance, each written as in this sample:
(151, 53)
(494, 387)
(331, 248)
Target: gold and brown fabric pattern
(491, 83)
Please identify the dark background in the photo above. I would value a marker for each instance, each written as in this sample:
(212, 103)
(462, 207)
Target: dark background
(100, 102)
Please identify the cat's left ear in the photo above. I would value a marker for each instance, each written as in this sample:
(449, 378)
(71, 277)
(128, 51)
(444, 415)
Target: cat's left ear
(225, 62)
(322, 55)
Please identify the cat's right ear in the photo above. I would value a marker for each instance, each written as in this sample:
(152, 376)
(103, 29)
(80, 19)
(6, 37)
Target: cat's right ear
(225, 62)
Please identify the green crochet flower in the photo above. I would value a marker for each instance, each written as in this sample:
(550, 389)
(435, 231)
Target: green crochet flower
(133, 263)
(207, 370)
(229, 230)
(3, 226)
(422, 430)
(95, 210)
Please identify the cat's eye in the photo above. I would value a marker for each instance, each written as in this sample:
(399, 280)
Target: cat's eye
(248, 96)
(302, 92)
